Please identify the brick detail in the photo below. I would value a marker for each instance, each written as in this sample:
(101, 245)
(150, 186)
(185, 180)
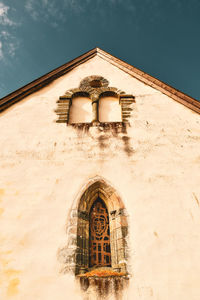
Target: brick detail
(126, 102)
(63, 109)
(93, 87)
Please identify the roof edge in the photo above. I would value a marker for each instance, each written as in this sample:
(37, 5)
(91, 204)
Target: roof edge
(152, 81)
(44, 80)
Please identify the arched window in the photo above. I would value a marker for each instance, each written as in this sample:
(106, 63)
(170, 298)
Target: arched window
(97, 247)
(97, 231)
(109, 108)
(81, 109)
(99, 235)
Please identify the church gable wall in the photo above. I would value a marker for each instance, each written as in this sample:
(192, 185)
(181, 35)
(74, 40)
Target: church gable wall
(153, 166)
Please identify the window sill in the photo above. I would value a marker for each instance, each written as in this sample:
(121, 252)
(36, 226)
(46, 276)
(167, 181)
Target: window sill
(102, 273)
(104, 281)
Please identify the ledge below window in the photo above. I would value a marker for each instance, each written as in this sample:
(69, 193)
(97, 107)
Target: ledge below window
(105, 281)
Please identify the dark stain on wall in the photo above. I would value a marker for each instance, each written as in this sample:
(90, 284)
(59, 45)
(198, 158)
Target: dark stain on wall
(127, 145)
(105, 287)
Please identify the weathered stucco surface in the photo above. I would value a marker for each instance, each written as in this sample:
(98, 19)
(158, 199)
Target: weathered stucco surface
(155, 169)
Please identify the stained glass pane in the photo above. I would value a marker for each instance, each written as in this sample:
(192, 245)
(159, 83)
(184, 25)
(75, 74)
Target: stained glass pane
(99, 235)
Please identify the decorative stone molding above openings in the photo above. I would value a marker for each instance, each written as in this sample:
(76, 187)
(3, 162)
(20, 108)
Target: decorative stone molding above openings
(94, 103)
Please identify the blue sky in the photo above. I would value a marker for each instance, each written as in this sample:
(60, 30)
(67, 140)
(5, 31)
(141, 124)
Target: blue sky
(161, 37)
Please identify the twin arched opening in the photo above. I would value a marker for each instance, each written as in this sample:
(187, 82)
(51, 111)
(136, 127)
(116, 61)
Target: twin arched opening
(84, 109)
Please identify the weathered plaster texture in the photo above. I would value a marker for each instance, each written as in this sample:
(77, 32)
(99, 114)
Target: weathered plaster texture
(155, 168)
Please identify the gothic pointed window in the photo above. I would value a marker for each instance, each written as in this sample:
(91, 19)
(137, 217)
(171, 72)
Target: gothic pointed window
(99, 241)
(97, 232)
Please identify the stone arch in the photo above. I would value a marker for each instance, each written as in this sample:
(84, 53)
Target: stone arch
(80, 108)
(117, 222)
(95, 88)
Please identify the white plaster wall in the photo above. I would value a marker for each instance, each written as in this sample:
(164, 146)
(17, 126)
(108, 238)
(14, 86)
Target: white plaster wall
(44, 165)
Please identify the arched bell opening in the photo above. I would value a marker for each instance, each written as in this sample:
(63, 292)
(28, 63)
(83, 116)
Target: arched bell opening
(80, 109)
(109, 107)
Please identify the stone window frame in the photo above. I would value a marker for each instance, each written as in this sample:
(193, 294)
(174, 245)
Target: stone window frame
(75, 255)
(94, 87)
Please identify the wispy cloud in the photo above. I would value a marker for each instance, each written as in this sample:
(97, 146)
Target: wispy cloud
(4, 19)
(8, 41)
(32, 9)
(8, 45)
(52, 11)
(1, 51)
(44, 10)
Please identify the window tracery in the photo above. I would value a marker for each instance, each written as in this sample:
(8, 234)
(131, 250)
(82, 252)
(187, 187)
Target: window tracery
(99, 235)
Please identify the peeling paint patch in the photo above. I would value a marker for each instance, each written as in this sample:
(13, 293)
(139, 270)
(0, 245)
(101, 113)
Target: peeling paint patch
(19, 216)
(155, 233)
(195, 197)
(2, 192)
(24, 241)
(145, 292)
(9, 276)
(1, 211)
(3, 257)
(191, 216)
(12, 272)
(13, 287)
